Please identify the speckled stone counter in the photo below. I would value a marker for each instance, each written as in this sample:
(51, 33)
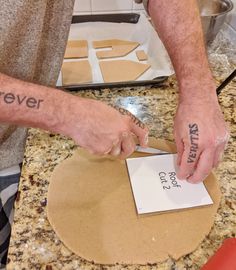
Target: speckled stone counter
(34, 245)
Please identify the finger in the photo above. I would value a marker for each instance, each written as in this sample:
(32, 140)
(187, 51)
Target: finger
(204, 167)
(93, 150)
(189, 161)
(141, 131)
(98, 148)
(218, 155)
(180, 149)
(116, 150)
(110, 147)
(127, 145)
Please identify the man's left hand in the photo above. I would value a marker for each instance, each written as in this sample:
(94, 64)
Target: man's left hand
(201, 137)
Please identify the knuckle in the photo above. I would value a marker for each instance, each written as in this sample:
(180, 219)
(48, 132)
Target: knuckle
(223, 139)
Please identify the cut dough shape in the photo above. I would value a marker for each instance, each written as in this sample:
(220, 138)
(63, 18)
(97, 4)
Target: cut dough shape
(122, 70)
(141, 55)
(92, 210)
(119, 48)
(76, 49)
(76, 73)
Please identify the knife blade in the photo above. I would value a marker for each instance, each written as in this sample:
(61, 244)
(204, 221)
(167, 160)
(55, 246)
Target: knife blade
(150, 150)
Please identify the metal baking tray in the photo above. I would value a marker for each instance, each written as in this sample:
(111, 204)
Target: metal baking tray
(126, 18)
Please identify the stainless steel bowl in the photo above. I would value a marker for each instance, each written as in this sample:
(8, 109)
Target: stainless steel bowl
(213, 14)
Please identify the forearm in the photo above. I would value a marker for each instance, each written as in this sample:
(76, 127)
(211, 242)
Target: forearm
(199, 128)
(92, 124)
(31, 105)
(179, 26)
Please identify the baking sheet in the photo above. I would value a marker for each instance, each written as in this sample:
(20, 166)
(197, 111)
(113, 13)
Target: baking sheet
(141, 32)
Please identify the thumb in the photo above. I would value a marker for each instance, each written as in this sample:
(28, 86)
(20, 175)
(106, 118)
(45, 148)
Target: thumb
(141, 132)
(180, 148)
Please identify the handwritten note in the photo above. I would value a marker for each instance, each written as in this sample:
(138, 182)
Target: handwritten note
(156, 187)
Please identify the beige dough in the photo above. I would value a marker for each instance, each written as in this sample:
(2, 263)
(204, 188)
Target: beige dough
(122, 70)
(74, 73)
(76, 49)
(92, 210)
(117, 48)
(141, 55)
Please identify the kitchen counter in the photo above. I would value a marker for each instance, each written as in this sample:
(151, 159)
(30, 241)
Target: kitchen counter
(34, 245)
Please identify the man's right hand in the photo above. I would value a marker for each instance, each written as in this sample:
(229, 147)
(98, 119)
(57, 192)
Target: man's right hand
(102, 129)
(92, 124)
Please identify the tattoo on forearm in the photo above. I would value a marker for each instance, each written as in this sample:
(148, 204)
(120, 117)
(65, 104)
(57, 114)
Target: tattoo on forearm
(20, 100)
(194, 137)
(133, 118)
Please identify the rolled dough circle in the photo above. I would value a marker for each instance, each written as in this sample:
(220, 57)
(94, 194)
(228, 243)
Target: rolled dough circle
(92, 210)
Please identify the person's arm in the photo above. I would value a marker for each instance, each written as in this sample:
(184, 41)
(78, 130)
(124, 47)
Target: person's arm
(92, 124)
(200, 130)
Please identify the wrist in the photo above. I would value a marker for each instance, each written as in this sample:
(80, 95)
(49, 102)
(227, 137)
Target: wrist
(71, 112)
(61, 108)
(198, 90)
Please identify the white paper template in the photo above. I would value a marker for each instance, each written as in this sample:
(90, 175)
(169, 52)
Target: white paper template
(156, 187)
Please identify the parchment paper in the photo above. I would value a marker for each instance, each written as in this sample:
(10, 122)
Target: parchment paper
(142, 32)
(92, 210)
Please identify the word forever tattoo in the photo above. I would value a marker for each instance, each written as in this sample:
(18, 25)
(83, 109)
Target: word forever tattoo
(194, 137)
(21, 100)
(133, 118)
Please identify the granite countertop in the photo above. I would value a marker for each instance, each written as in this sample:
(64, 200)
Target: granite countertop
(34, 245)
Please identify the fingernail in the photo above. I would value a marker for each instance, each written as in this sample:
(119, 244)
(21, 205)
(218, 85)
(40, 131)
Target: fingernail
(116, 152)
(183, 177)
(191, 181)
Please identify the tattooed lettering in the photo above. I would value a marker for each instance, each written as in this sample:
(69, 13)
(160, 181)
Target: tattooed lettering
(133, 118)
(30, 102)
(194, 137)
